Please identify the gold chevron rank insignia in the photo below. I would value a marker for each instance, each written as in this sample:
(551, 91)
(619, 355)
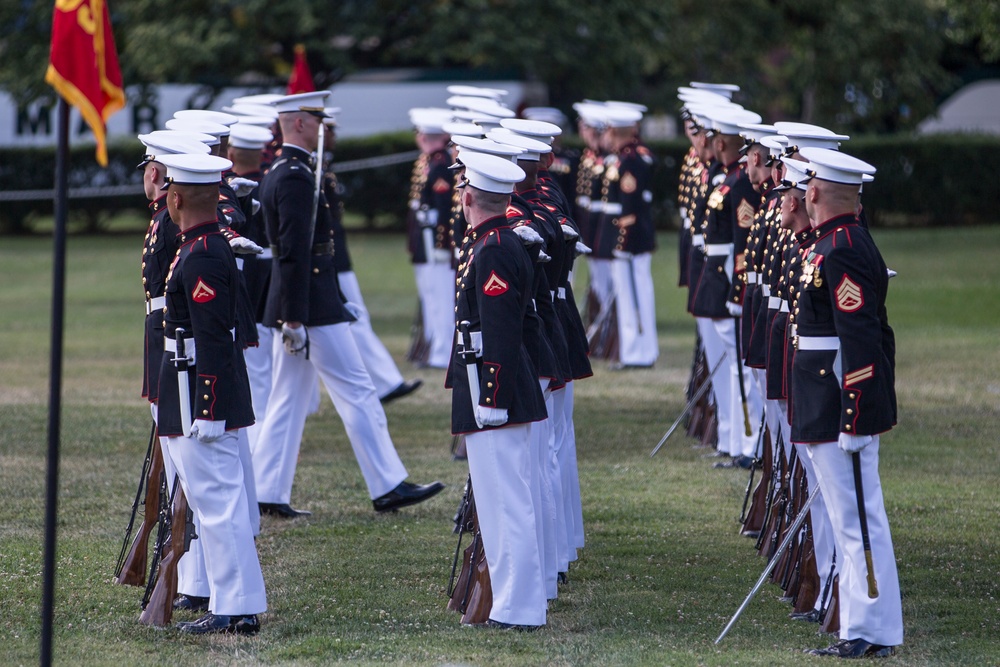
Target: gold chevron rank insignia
(859, 375)
(849, 296)
(744, 214)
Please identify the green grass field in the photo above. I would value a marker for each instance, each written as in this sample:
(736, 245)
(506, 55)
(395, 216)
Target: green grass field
(664, 567)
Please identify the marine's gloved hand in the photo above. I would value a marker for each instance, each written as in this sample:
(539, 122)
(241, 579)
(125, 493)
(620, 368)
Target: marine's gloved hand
(356, 311)
(254, 206)
(528, 235)
(735, 309)
(155, 411)
(889, 272)
(491, 416)
(569, 233)
(242, 186)
(241, 245)
(543, 257)
(853, 443)
(582, 249)
(206, 430)
(296, 340)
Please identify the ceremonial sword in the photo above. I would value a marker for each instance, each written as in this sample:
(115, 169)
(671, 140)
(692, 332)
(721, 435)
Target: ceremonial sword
(468, 355)
(694, 399)
(183, 388)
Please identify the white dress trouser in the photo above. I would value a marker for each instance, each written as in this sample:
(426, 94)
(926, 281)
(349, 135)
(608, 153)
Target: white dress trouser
(259, 361)
(739, 442)
(498, 462)
(333, 355)
(879, 620)
(633, 279)
(546, 511)
(212, 478)
(570, 444)
(601, 283)
(381, 367)
(721, 389)
(436, 287)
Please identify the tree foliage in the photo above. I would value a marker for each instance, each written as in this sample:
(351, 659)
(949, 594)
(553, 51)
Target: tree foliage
(858, 64)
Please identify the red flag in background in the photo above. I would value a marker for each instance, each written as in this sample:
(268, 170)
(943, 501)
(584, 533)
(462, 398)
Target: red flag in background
(301, 80)
(83, 64)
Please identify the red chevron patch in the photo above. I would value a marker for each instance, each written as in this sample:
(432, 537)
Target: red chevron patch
(202, 293)
(495, 285)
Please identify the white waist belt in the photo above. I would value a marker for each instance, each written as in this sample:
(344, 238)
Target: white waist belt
(561, 293)
(583, 201)
(596, 206)
(613, 208)
(156, 303)
(751, 277)
(267, 254)
(718, 249)
(818, 343)
(477, 341)
(784, 307)
(777, 303)
(239, 263)
(170, 345)
(765, 290)
(698, 241)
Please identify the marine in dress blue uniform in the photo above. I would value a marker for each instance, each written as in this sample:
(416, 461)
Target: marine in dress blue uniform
(843, 395)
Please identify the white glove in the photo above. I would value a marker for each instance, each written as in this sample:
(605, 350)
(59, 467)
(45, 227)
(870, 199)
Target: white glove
(242, 186)
(155, 411)
(889, 272)
(582, 249)
(491, 416)
(356, 311)
(735, 309)
(853, 443)
(241, 245)
(570, 233)
(296, 340)
(206, 430)
(528, 235)
(543, 257)
(254, 206)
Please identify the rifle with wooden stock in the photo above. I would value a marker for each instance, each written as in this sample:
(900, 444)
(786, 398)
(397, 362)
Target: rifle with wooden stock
(471, 593)
(131, 567)
(158, 609)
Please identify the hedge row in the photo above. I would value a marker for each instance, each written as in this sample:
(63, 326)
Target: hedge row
(940, 180)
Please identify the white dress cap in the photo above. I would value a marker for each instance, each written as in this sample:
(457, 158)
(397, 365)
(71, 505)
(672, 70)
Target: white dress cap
(726, 120)
(591, 113)
(484, 105)
(725, 89)
(756, 131)
(464, 115)
(168, 142)
(262, 98)
(621, 116)
(314, 103)
(476, 91)
(533, 148)
(249, 137)
(219, 117)
(252, 110)
(837, 167)
(457, 129)
(188, 169)
(536, 129)
(488, 146)
(430, 120)
(547, 114)
(804, 135)
(491, 173)
(795, 175)
(641, 108)
(775, 145)
(260, 121)
(201, 126)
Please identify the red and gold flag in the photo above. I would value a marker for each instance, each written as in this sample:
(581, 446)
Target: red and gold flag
(301, 80)
(83, 64)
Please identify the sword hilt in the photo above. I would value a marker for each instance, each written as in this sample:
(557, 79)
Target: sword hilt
(180, 354)
(468, 353)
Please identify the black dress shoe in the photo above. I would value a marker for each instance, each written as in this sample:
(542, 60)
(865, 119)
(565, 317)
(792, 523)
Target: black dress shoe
(190, 603)
(811, 616)
(406, 494)
(284, 510)
(852, 649)
(217, 624)
(402, 390)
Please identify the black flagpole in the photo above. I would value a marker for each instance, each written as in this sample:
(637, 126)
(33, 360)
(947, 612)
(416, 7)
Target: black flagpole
(55, 385)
